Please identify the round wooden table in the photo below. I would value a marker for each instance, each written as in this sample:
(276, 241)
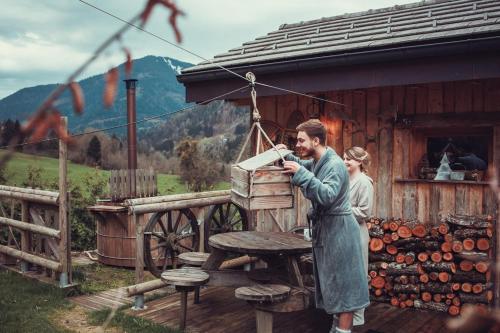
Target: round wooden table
(272, 247)
(255, 242)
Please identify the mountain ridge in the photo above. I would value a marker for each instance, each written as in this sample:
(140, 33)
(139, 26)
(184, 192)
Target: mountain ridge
(157, 92)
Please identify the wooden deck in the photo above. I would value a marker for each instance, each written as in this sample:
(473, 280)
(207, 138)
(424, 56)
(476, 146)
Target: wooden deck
(114, 298)
(220, 310)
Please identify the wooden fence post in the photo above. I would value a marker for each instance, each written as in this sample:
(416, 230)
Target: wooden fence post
(64, 227)
(25, 235)
(139, 260)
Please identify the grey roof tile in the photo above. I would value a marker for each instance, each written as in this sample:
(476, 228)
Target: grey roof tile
(397, 25)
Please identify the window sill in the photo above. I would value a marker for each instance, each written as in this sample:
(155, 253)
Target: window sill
(465, 182)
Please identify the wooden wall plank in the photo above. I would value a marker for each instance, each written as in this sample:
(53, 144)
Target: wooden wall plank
(410, 99)
(418, 148)
(383, 185)
(462, 198)
(422, 100)
(286, 104)
(492, 95)
(490, 203)
(332, 123)
(477, 96)
(463, 96)
(359, 113)
(449, 97)
(400, 168)
(347, 125)
(435, 198)
(435, 97)
(476, 199)
(337, 97)
(398, 99)
(372, 126)
(446, 200)
(424, 202)
(410, 201)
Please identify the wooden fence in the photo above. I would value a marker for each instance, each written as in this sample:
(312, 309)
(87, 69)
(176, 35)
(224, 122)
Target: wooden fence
(34, 227)
(140, 183)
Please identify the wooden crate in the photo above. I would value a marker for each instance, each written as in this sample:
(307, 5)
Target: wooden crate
(256, 185)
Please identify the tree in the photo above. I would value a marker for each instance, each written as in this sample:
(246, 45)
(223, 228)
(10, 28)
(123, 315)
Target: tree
(8, 132)
(94, 150)
(195, 170)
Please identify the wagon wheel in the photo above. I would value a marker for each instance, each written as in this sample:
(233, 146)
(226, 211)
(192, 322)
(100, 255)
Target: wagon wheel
(278, 134)
(222, 218)
(166, 235)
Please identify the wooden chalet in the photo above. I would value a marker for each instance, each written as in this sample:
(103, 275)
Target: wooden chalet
(412, 81)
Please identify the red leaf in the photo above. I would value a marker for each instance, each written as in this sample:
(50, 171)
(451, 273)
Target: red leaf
(128, 63)
(174, 12)
(41, 130)
(78, 100)
(147, 11)
(110, 88)
(57, 125)
(34, 122)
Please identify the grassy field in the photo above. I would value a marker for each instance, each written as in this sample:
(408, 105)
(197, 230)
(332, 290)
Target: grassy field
(31, 307)
(26, 306)
(18, 168)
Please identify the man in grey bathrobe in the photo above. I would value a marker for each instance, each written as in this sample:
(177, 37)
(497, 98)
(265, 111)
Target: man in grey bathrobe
(341, 285)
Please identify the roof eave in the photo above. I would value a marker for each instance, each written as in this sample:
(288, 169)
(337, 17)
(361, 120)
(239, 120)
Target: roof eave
(364, 56)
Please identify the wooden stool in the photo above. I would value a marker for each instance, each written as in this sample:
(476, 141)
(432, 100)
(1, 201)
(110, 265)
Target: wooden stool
(195, 259)
(185, 280)
(263, 293)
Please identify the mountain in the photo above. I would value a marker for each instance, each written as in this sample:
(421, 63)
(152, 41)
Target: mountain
(157, 92)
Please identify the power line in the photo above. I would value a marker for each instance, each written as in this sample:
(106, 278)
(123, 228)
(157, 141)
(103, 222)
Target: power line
(145, 119)
(205, 59)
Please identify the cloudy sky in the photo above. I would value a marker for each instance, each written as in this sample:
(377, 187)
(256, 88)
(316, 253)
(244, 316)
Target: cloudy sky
(43, 41)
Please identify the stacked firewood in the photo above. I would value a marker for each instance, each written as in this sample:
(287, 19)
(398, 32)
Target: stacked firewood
(434, 268)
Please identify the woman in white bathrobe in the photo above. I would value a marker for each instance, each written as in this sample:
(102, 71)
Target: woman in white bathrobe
(357, 160)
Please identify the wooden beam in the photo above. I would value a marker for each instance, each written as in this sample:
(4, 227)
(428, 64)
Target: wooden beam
(64, 223)
(466, 119)
(37, 219)
(176, 205)
(141, 288)
(29, 191)
(50, 264)
(31, 227)
(175, 197)
(44, 199)
(139, 249)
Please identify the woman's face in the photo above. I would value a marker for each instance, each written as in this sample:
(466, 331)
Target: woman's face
(352, 165)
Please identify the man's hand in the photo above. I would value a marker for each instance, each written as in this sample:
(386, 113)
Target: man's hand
(291, 167)
(281, 146)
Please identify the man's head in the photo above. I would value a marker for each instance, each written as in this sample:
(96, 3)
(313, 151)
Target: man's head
(311, 137)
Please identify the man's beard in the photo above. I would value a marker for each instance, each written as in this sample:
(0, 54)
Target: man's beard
(306, 152)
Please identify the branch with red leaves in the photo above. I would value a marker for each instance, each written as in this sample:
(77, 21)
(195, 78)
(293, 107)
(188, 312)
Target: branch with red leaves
(46, 118)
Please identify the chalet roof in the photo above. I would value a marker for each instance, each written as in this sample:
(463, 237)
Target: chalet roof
(401, 25)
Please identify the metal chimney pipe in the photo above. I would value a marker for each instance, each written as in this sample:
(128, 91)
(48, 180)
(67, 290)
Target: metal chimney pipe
(131, 134)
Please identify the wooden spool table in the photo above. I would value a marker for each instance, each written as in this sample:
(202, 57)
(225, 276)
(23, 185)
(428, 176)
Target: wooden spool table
(274, 248)
(270, 246)
(185, 280)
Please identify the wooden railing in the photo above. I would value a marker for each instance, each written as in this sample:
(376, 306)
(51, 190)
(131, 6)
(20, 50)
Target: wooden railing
(36, 226)
(37, 232)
